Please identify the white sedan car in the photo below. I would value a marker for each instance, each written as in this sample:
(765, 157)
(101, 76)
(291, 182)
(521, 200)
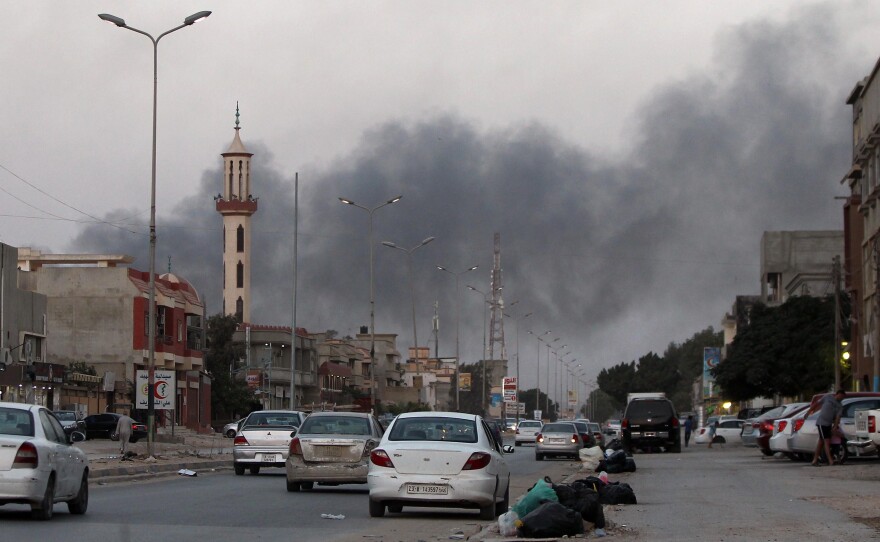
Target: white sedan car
(38, 464)
(728, 429)
(439, 459)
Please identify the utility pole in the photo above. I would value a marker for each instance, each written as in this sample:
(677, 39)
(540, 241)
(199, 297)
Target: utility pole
(835, 277)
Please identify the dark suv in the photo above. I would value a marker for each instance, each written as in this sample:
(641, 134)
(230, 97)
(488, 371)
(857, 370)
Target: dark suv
(651, 423)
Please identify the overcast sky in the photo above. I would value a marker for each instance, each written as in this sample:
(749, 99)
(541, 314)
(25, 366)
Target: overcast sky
(630, 154)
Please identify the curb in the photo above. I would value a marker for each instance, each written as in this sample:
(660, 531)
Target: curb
(152, 469)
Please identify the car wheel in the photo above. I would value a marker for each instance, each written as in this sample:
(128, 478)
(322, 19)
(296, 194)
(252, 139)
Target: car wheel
(539, 457)
(114, 437)
(502, 507)
(80, 503)
(293, 487)
(239, 469)
(308, 486)
(395, 508)
(230, 433)
(377, 509)
(487, 512)
(43, 511)
(255, 470)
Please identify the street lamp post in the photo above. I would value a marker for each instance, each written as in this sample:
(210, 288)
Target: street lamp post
(516, 323)
(441, 268)
(412, 291)
(151, 334)
(370, 211)
(538, 368)
(483, 362)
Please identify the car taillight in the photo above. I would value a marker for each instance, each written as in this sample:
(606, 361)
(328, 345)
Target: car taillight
(26, 457)
(240, 441)
(872, 424)
(702, 430)
(575, 438)
(767, 427)
(295, 447)
(476, 461)
(782, 425)
(539, 438)
(380, 459)
(624, 423)
(797, 425)
(675, 422)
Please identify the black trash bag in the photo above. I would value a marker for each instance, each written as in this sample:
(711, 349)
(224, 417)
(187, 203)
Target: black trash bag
(582, 497)
(630, 465)
(617, 493)
(549, 520)
(619, 456)
(601, 466)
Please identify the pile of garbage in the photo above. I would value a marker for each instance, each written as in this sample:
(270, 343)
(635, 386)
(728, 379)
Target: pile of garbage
(552, 510)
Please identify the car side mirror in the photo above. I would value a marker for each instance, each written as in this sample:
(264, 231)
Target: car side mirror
(293, 432)
(507, 448)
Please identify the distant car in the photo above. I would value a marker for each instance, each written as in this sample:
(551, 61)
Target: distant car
(231, 428)
(558, 439)
(263, 440)
(39, 465)
(439, 459)
(651, 422)
(510, 424)
(598, 436)
(497, 430)
(583, 429)
(612, 428)
(526, 431)
(70, 421)
(729, 430)
(332, 448)
(104, 426)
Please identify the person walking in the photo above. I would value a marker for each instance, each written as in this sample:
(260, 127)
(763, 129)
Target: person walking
(712, 430)
(688, 427)
(828, 421)
(123, 432)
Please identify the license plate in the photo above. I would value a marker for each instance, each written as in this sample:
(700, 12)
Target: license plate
(650, 434)
(330, 451)
(426, 489)
(556, 440)
(269, 458)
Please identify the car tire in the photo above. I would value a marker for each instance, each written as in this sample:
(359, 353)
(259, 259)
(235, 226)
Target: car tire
(487, 513)
(395, 508)
(502, 507)
(80, 503)
(254, 470)
(239, 470)
(293, 487)
(230, 433)
(307, 486)
(377, 509)
(539, 457)
(43, 511)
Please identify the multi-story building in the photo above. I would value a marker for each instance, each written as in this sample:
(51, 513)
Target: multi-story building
(97, 316)
(797, 263)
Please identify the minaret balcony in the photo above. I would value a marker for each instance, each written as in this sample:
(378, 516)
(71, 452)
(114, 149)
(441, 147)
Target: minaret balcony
(236, 206)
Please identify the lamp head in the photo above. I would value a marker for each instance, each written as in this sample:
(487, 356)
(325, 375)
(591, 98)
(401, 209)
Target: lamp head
(346, 201)
(196, 17)
(112, 19)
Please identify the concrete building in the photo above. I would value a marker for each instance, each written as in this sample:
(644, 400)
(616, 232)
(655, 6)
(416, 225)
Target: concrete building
(798, 263)
(97, 316)
(236, 204)
(862, 226)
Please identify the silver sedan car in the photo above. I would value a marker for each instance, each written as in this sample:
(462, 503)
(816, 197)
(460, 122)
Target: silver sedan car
(264, 440)
(332, 448)
(556, 439)
(38, 464)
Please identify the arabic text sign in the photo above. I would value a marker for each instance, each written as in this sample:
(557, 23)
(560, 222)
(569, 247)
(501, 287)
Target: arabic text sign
(164, 391)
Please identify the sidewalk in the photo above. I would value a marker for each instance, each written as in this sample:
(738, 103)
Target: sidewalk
(195, 452)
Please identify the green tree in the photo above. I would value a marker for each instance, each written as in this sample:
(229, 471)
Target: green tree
(230, 395)
(472, 401)
(785, 350)
(528, 397)
(617, 381)
(687, 357)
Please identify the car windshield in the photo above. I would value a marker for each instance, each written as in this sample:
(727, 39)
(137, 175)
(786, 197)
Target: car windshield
(526, 424)
(273, 419)
(335, 425)
(582, 427)
(594, 427)
(14, 421)
(66, 416)
(642, 409)
(558, 428)
(434, 428)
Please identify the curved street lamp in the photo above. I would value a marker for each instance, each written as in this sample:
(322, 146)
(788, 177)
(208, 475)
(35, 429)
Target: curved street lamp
(151, 334)
(441, 268)
(370, 211)
(412, 291)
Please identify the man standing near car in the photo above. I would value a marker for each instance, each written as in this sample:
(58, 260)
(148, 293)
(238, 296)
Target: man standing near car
(688, 427)
(828, 421)
(123, 431)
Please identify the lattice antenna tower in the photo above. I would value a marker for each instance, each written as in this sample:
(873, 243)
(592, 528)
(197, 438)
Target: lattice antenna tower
(496, 334)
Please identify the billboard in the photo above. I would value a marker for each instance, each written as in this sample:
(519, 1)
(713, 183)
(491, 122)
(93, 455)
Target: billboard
(509, 387)
(164, 389)
(572, 398)
(464, 381)
(711, 359)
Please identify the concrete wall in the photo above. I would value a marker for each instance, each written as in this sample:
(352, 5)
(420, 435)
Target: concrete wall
(798, 262)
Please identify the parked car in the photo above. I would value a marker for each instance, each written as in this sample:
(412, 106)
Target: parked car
(264, 440)
(803, 440)
(231, 428)
(104, 426)
(583, 429)
(765, 428)
(612, 428)
(40, 466)
(70, 421)
(598, 437)
(439, 459)
(332, 448)
(558, 439)
(782, 430)
(651, 422)
(728, 429)
(526, 431)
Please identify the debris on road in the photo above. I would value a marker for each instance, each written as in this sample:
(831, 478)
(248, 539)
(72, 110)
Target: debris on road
(332, 516)
(187, 472)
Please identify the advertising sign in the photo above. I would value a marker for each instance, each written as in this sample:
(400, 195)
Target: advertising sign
(572, 398)
(711, 359)
(164, 389)
(510, 390)
(464, 381)
(537, 414)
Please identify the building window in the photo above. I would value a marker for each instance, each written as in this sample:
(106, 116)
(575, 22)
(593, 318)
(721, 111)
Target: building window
(239, 307)
(224, 239)
(180, 331)
(239, 238)
(239, 275)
